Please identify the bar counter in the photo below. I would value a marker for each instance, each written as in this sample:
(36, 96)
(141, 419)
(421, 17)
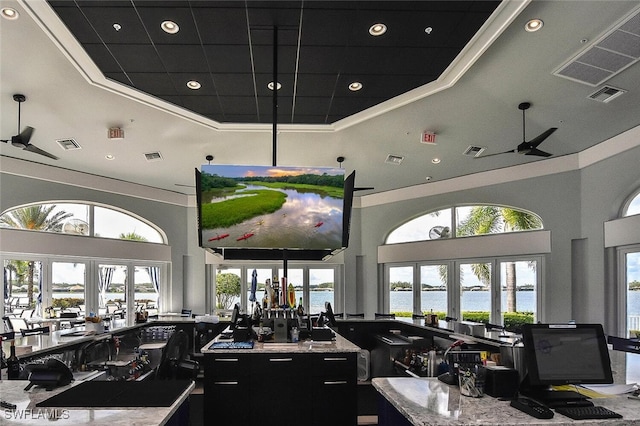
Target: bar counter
(308, 382)
(27, 413)
(338, 345)
(428, 401)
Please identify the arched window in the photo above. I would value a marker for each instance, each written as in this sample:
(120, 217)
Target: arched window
(486, 288)
(79, 218)
(632, 206)
(468, 221)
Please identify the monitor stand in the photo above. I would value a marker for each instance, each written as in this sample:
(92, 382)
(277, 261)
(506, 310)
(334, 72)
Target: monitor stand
(554, 398)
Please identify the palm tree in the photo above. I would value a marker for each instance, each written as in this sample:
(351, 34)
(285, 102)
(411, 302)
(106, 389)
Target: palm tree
(38, 217)
(132, 236)
(492, 219)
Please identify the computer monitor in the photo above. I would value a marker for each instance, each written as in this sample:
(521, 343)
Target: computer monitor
(235, 316)
(561, 354)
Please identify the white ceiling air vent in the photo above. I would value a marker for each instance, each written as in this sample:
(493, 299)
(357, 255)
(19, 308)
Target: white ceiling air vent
(394, 159)
(68, 144)
(153, 156)
(617, 50)
(474, 151)
(606, 94)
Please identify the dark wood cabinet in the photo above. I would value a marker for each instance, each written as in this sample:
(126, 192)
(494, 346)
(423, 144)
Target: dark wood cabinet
(269, 388)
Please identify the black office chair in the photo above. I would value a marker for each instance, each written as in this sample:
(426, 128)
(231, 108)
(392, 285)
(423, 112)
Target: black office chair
(173, 362)
(33, 331)
(360, 315)
(379, 315)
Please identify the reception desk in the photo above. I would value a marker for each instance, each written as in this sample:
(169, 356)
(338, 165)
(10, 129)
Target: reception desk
(427, 401)
(310, 383)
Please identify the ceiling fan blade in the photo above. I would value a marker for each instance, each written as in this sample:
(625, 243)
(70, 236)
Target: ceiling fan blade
(26, 134)
(538, 153)
(36, 150)
(533, 143)
(498, 153)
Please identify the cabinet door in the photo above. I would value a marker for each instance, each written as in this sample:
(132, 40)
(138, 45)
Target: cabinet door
(279, 381)
(228, 402)
(333, 386)
(227, 386)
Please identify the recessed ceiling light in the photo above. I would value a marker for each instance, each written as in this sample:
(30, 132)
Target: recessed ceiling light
(533, 25)
(270, 85)
(170, 27)
(436, 160)
(9, 13)
(192, 84)
(110, 157)
(355, 86)
(377, 29)
(117, 26)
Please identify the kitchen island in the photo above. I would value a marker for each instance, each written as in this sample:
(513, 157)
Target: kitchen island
(308, 382)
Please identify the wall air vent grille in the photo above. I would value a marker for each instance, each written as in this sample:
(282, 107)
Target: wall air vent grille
(394, 159)
(616, 50)
(474, 151)
(153, 156)
(606, 94)
(68, 144)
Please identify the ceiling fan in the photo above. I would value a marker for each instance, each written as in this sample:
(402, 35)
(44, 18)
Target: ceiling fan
(438, 232)
(21, 140)
(528, 147)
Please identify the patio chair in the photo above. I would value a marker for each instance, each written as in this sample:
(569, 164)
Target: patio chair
(27, 313)
(18, 324)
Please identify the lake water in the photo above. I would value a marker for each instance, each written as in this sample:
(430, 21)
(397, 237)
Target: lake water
(305, 220)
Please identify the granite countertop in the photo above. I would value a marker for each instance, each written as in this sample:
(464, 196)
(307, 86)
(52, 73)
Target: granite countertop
(339, 345)
(428, 401)
(28, 414)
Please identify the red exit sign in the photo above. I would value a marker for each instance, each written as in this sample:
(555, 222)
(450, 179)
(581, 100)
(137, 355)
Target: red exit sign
(428, 137)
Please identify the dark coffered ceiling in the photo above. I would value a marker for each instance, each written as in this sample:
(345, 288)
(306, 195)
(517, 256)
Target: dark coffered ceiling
(228, 47)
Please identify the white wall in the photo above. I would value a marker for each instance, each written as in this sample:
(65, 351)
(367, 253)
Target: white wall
(573, 205)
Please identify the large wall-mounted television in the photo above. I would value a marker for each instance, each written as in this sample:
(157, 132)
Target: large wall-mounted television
(273, 212)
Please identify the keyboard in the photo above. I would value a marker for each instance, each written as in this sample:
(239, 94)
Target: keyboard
(583, 413)
(231, 345)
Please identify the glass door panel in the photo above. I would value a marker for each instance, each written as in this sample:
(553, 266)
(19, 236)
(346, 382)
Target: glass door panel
(632, 265)
(401, 288)
(475, 291)
(321, 284)
(433, 289)
(112, 289)
(68, 283)
(518, 292)
(23, 286)
(228, 288)
(147, 288)
(261, 277)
